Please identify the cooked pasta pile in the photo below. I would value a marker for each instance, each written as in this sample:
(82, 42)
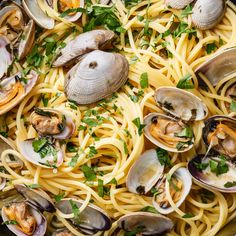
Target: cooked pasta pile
(107, 136)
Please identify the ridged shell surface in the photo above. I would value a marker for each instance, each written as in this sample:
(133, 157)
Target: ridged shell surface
(178, 4)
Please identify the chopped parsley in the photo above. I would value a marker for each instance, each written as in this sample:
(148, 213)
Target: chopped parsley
(187, 132)
(92, 151)
(113, 181)
(211, 47)
(144, 80)
(135, 98)
(39, 144)
(59, 197)
(233, 106)
(125, 148)
(74, 160)
(10, 222)
(183, 145)
(75, 208)
(89, 172)
(81, 127)
(90, 122)
(188, 10)
(100, 188)
(33, 186)
(72, 10)
(150, 209)
(169, 179)
(44, 100)
(73, 105)
(230, 184)
(163, 157)
(70, 147)
(188, 215)
(200, 166)
(35, 58)
(138, 124)
(185, 82)
(219, 167)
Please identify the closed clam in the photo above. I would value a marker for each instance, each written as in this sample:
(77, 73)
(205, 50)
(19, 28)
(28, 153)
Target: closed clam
(82, 44)
(147, 223)
(207, 14)
(90, 221)
(52, 122)
(219, 134)
(34, 11)
(13, 89)
(96, 76)
(178, 4)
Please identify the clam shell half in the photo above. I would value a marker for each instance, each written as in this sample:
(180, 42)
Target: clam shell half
(152, 223)
(145, 172)
(96, 76)
(178, 4)
(180, 103)
(209, 179)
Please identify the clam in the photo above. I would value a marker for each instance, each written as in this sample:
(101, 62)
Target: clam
(108, 70)
(37, 14)
(36, 197)
(24, 219)
(62, 232)
(52, 122)
(104, 2)
(180, 185)
(23, 216)
(145, 223)
(229, 229)
(207, 14)
(13, 89)
(168, 133)
(6, 56)
(180, 103)
(90, 221)
(214, 171)
(219, 134)
(219, 66)
(27, 40)
(178, 4)
(144, 173)
(82, 44)
(13, 161)
(41, 152)
(65, 5)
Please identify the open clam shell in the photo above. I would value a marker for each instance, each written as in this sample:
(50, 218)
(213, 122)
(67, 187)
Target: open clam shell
(148, 223)
(52, 156)
(13, 90)
(36, 197)
(40, 221)
(220, 134)
(52, 122)
(109, 70)
(182, 175)
(180, 103)
(168, 133)
(82, 44)
(178, 4)
(91, 220)
(207, 14)
(144, 173)
(37, 14)
(219, 66)
(215, 172)
(6, 57)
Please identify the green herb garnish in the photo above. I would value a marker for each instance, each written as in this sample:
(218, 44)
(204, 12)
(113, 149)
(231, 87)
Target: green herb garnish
(185, 82)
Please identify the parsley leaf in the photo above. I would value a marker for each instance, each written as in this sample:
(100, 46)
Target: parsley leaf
(186, 132)
(230, 184)
(89, 172)
(185, 82)
(187, 11)
(138, 124)
(33, 186)
(219, 167)
(92, 151)
(163, 157)
(90, 122)
(59, 197)
(150, 209)
(70, 147)
(10, 222)
(233, 106)
(100, 188)
(188, 215)
(200, 166)
(74, 160)
(144, 80)
(72, 10)
(211, 47)
(75, 208)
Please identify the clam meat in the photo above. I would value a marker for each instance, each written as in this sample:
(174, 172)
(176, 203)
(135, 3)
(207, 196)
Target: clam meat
(144, 173)
(13, 89)
(219, 134)
(207, 14)
(42, 152)
(180, 184)
(90, 221)
(214, 171)
(108, 70)
(82, 44)
(168, 133)
(52, 122)
(145, 223)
